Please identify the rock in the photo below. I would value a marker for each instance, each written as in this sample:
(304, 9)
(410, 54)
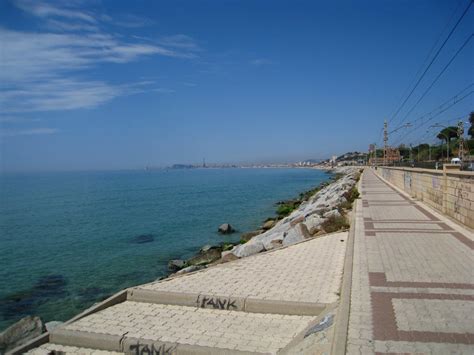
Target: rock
(190, 269)
(142, 239)
(205, 248)
(333, 213)
(271, 241)
(175, 265)
(227, 256)
(313, 221)
(294, 235)
(51, 325)
(226, 228)
(249, 235)
(19, 333)
(296, 220)
(207, 257)
(250, 248)
(268, 224)
(305, 231)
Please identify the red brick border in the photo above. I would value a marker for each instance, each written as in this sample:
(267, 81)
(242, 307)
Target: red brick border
(380, 279)
(385, 324)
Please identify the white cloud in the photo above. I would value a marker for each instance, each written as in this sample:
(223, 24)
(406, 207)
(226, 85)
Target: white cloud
(27, 132)
(47, 70)
(48, 9)
(65, 94)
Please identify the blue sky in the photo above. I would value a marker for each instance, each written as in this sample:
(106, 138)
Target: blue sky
(125, 84)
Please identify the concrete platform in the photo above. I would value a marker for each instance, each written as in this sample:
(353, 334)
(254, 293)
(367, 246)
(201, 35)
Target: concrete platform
(122, 327)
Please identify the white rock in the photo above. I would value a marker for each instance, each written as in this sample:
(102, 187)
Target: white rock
(250, 248)
(294, 235)
(313, 221)
(333, 213)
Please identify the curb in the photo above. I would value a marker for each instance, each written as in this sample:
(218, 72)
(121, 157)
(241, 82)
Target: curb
(132, 345)
(341, 327)
(227, 303)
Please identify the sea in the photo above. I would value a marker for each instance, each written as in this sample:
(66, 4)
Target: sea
(71, 239)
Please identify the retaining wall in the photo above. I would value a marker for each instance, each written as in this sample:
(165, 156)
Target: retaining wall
(450, 191)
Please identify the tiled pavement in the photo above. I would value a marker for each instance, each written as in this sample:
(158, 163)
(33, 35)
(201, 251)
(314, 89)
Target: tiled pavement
(413, 277)
(257, 305)
(308, 272)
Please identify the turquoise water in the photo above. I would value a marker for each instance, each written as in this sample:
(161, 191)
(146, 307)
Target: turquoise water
(68, 240)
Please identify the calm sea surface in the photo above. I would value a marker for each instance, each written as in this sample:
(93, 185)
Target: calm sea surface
(68, 240)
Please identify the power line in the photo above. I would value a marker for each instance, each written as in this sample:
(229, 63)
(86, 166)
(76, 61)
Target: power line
(438, 76)
(452, 100)
(432, 60)
(434, 116)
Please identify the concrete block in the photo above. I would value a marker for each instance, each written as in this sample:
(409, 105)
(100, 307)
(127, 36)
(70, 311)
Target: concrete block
(85, 339)
(163, 297)
(283, 307)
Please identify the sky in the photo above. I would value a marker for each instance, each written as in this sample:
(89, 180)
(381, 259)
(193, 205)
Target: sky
(108, 84)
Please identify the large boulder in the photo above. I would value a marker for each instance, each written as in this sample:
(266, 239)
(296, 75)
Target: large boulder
(294, 235)
(332, 214)
(273, 240)
(249, 235)
(269, 224)
(177, 264)
(21, 332)
(207, 257)
(313, 223)
(247, 249)
(226, 228)
(190, 269)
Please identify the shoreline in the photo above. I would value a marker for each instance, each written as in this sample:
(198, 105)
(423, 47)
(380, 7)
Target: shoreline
(288, 226)
(292, 226)
(295, 220)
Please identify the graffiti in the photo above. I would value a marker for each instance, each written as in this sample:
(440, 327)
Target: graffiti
(407, 180)
(154, 349)
(435, 182)
(216, 302)
(461, 197)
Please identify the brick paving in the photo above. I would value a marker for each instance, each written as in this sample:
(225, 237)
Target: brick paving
(306, 272)
(255, 332)
(413, 280)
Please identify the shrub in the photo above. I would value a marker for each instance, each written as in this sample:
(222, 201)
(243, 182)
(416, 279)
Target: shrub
(352, 194)
(333, 224)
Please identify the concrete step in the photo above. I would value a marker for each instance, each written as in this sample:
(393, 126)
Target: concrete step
(50, 348)
(139, 327)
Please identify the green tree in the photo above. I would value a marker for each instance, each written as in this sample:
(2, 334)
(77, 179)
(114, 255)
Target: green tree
(447, 133)
(471, 121)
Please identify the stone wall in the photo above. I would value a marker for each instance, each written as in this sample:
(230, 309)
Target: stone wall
(449, 191)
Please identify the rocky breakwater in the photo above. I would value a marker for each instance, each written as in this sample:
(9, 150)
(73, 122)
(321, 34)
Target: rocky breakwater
(324, 212)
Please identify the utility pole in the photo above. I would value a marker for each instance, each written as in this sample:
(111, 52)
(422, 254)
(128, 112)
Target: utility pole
(385, 140)
(461, 140)
(429, 149)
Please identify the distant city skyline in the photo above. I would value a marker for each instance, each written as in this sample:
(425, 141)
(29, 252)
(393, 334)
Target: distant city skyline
(104, 84)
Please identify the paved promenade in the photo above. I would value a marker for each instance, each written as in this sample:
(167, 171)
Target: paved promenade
(413, 277)
(263, 304)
